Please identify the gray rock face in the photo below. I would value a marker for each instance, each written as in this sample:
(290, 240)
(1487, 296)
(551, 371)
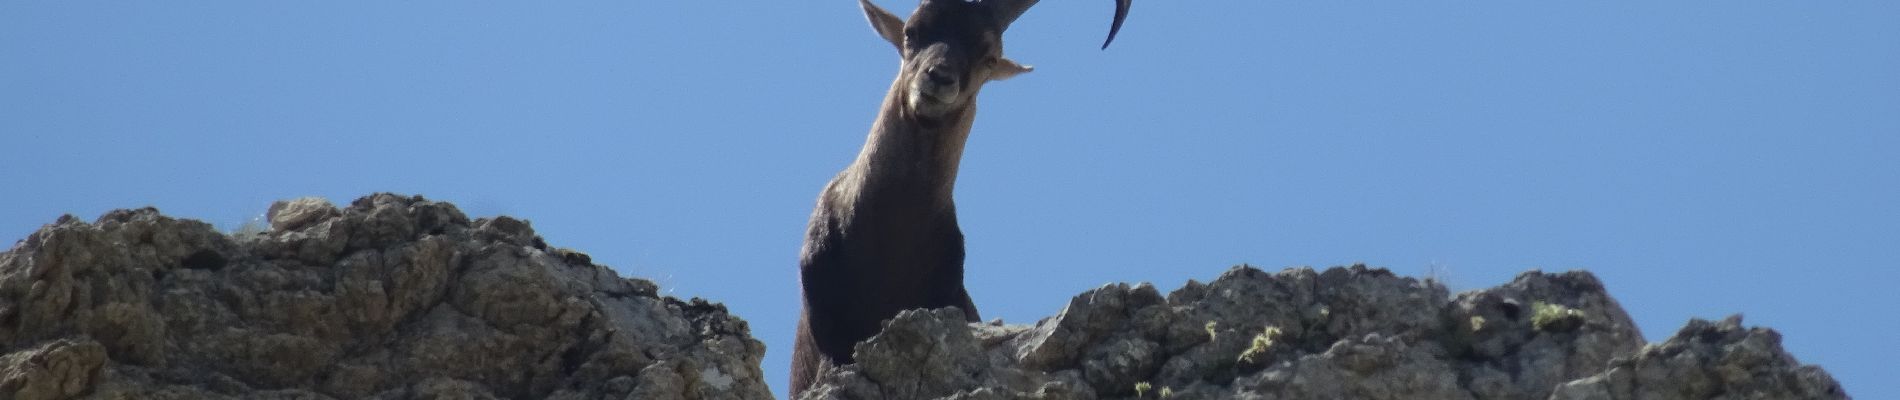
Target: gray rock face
(402, 298)
(1345, 333)
(1708, 360)
(391, 298)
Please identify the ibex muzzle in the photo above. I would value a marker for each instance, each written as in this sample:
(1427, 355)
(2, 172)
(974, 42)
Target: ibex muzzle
(884, 236)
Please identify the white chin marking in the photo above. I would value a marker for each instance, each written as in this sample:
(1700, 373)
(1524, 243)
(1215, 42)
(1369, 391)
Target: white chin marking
(927, 105)
(918, 102)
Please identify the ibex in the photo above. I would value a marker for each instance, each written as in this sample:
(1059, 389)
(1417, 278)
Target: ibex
(884, 236)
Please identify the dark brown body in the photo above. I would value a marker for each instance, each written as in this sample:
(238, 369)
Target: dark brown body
(884, 237)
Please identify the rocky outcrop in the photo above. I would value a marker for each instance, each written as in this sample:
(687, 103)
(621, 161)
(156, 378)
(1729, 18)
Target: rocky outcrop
(392, 297)
(1708, 360)
(399, 297)
(1344, 333)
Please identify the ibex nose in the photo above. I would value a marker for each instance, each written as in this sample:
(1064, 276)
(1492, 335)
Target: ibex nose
(938, 76)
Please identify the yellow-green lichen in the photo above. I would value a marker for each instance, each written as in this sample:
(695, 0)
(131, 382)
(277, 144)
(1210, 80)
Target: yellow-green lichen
(1262, 343)
(1141, 389)
(1554, 317)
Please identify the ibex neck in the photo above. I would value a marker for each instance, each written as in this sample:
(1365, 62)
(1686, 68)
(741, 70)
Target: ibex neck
(909, 155)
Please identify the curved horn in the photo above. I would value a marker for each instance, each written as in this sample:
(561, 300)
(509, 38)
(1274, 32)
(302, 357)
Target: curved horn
(1007, 11)
(1121, 14)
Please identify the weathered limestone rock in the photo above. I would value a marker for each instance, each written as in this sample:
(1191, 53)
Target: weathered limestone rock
(1342, 333)
(1708, 360)
(398, 297)
(392, 297)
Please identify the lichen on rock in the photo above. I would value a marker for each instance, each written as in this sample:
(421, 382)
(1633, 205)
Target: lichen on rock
(1341, 333)
(391, 297)
(398, 297)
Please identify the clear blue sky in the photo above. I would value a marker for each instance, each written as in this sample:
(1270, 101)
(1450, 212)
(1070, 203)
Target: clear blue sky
(1703, 158)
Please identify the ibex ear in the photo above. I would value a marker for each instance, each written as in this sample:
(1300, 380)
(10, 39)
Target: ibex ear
(1005, 68)
(887, 25)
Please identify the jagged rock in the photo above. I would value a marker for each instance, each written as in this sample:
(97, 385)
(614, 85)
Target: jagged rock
(1354, 333)
(291, 215)
(402, 298)
(1707, 360)
(55, 370)
(1520, 340)
(391, 298)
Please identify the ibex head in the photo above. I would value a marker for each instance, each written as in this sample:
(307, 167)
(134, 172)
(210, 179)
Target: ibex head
(950, 48)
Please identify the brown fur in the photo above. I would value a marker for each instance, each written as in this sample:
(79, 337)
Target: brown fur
(884, 236)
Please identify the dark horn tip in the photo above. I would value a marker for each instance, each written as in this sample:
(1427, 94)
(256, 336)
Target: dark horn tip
(1121, 14)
